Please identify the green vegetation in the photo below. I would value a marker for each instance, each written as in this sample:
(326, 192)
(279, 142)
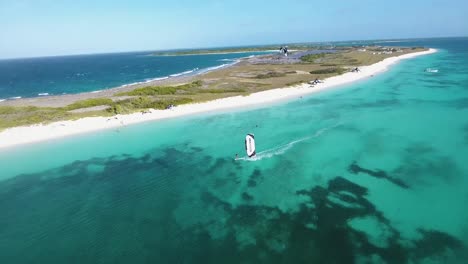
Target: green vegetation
(328, 71)
(27, 115)
(162, 90)
(155, 97)
(187, 89)
(311, 58)
(22, 116)
(89, 103)
(132, 105)
(220, 91)
(270, 75)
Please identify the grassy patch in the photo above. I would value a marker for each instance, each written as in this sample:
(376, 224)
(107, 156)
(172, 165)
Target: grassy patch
(162, 90)
(29, 115)
(5, 110)
(328, 71)
(89, 103)
(132, 105)
(311, 58)
(270, 75)
(22, 116)
(221, 90)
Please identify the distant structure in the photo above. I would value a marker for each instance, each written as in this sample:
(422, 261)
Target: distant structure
(284, 50)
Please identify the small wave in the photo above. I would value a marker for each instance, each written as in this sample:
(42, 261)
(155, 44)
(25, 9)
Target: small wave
(183, 73)
(135, 83)
(226, 60)
(216, 67)
(432, 70)
(98, 91)
(16, 97)
(145, 81)
(43, 94)
(1, 100)
(160, 78)
(269, 153)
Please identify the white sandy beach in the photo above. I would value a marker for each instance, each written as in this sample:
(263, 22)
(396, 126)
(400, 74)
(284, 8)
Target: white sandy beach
(29, 134)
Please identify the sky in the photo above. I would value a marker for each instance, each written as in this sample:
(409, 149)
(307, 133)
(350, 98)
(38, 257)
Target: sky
(31, 28)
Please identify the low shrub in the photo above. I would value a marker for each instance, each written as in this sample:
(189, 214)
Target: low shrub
(312, 57)
(161, 90)
(88, 103)
(270, 75)
(328, 71)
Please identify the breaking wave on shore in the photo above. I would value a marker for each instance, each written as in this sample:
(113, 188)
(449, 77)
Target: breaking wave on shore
(102, 72)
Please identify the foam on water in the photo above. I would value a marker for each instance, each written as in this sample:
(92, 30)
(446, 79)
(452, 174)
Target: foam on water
(183, 73)
(216, 67)
(432, 70)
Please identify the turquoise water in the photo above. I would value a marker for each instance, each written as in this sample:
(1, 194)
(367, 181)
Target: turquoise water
(374, 172)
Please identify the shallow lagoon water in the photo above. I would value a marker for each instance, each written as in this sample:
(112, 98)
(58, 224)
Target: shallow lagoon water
(374, 172)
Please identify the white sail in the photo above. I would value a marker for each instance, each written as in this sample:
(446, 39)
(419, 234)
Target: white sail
(250, 145)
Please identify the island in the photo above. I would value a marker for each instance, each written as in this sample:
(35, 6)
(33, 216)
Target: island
(250, 81)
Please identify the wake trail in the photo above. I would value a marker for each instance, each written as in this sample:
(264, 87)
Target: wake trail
(269, 153)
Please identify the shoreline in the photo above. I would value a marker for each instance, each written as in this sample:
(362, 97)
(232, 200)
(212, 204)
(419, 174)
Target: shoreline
(37, 133)
(168, 79)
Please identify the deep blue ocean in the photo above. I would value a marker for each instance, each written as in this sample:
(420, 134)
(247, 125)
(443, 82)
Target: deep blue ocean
(33, 77)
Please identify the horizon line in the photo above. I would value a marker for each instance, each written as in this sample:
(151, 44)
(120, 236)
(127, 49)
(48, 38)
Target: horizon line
(223, 47)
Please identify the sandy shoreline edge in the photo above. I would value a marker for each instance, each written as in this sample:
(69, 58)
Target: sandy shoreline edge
(36, 133)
